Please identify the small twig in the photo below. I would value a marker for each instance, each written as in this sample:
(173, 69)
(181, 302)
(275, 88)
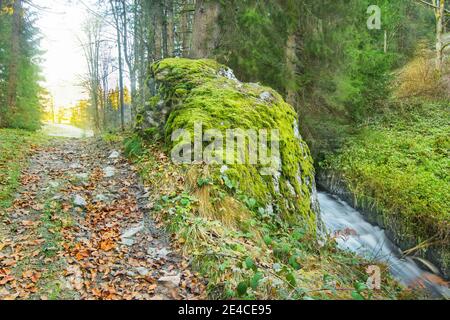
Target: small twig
(421, 245)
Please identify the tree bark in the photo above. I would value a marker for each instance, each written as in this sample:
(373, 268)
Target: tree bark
(164, 31)
(128, 59)
(158, 29)
(170, 28)
(291, 66)
(13, 70)
(440, 13)
(184, 29)
(206, 30)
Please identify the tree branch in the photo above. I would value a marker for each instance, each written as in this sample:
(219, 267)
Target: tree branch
(432, 5)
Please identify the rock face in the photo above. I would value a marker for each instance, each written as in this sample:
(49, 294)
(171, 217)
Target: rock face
(193, 92)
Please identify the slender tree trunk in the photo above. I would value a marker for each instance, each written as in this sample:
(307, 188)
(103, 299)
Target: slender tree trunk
(158, 29)
(184, 26)
(119, 49)
(140, 52)
(291, 66)
(97, 84)
(205, 32)
(385, 41)
(440, 14)
(105, 101)
(52, 103)
(170, 28)
(165, 45)
(121, 88)
(13, 70)
(129, 60)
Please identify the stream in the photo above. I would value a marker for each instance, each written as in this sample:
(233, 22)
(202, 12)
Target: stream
(369, 241)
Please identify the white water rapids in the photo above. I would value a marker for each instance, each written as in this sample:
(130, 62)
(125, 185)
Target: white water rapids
(371, 242)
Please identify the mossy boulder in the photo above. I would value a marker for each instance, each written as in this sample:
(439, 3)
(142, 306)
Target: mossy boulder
(206, 92)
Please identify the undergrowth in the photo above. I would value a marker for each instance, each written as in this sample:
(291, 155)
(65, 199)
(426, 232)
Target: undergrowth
(15, 145)
(260, 256)
(400, 164)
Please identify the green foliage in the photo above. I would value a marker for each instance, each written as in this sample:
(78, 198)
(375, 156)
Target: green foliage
(27, 112)
(14, 146)
(399, 164)
(340, 74)
(133, 146)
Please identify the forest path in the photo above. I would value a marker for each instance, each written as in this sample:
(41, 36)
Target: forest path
(79, 229)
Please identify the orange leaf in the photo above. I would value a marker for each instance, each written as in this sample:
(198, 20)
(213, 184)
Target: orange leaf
(35, 277)
(6, 279)
(107, 245)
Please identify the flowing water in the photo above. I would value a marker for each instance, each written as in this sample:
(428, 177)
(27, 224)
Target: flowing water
(357, 235)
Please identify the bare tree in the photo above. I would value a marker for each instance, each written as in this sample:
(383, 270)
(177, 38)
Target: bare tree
(129, 47)
(91, 49)
(116, 7)
(106, 68)
(440, 13)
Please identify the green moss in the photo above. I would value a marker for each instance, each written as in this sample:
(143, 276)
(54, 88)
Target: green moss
(400, 164)
(197, 91)
(263, 258)
(14, 146)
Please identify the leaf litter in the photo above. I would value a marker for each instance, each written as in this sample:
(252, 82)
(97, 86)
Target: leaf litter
(50, 248)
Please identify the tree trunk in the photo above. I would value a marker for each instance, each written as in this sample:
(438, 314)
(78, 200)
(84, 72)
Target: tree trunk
(158, 27)
(14, 57)
(119, 49)
(440, 13)
(206, 30)
(121, 88)
(291, 66)
(129, 58)
(184, 29)
(165, 31)
(170, 28)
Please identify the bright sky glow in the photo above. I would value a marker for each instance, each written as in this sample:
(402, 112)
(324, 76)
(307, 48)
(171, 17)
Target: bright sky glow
(64, 62)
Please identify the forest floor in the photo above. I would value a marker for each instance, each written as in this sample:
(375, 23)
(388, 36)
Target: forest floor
(78, 220)
(78, 229)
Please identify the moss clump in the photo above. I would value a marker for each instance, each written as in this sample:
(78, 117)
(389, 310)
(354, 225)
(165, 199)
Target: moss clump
(203, 91)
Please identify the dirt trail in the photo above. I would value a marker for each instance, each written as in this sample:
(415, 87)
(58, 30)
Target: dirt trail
(79, 229)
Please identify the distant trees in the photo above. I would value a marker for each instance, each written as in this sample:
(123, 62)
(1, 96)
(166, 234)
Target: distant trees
(319, 54)
(140, 32)
(79, 116)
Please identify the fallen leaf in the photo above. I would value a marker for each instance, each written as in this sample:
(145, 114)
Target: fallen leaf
(107, 245)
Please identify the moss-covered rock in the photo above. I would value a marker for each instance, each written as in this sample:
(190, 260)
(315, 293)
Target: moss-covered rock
(203, 91)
